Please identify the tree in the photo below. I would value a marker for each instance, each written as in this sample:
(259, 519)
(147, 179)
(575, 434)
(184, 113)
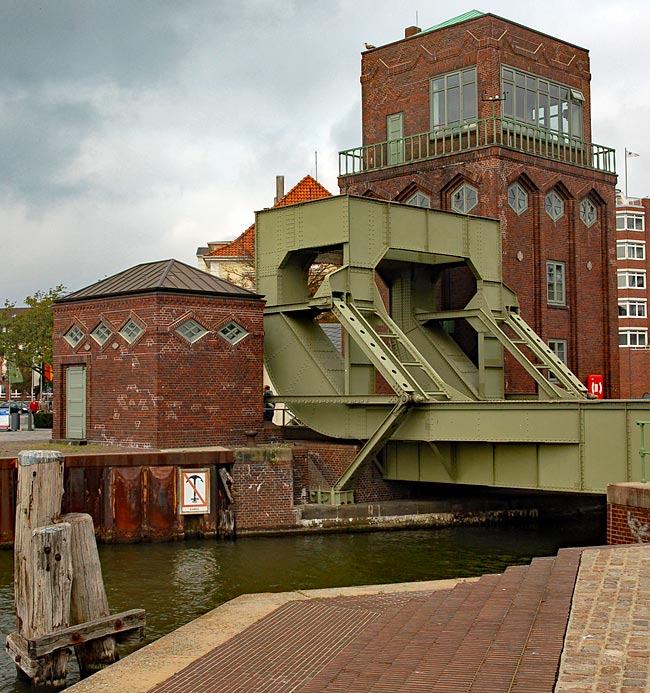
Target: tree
(26, 334)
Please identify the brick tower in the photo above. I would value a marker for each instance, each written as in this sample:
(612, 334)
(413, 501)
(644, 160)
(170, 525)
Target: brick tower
(487, 117)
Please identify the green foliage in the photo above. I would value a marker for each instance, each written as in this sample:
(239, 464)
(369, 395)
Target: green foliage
(26, 335)
(43, 419)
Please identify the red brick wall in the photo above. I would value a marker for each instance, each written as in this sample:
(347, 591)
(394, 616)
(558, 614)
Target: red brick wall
(332, 459)
(635, 362)
(628, 513)
(263, 488)
(395, 78)
(162, 391)
(623, 520)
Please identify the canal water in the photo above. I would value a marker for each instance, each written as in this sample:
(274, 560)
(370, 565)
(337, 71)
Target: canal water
(178, 582)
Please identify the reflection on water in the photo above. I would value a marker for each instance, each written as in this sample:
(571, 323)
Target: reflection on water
(177, 582)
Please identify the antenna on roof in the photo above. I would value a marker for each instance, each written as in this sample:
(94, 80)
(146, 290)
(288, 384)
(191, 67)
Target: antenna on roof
(316, 164)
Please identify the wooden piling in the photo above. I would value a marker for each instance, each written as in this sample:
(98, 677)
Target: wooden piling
(38, 502)
(88, 599)
(48, 610)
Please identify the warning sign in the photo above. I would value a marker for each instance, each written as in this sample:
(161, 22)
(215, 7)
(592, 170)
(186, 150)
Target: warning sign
(195, 491)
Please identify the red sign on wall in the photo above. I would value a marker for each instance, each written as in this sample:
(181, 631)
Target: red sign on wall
(596, 385)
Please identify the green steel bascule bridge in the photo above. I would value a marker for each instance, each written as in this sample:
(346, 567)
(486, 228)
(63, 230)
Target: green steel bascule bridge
(445, 417)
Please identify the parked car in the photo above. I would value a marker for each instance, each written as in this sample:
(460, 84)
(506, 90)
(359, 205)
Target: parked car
(14, 407)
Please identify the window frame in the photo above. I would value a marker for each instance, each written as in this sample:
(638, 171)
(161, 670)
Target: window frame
(557, 346)
(464, 189)
(633, 303)
(419, 195)
(226, 331)
(128, 334)
(193, 335)
(519, 190)
(74, 341)
(102, 333)
(556, 286)
(587, 208)
(541, 103)
(442, 87)
(633, 332)
(552, 202)
(628, 274)
(628, 217)
(626, 244)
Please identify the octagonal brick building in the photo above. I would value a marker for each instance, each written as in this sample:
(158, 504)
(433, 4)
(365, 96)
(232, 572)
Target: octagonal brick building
(161, 355)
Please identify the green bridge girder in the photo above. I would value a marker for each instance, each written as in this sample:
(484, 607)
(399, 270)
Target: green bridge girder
(426, 320)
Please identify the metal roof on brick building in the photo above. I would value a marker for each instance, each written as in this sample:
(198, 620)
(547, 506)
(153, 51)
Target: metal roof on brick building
(164, 275)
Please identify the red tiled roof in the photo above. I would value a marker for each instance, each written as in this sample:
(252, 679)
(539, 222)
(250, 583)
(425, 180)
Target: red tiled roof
(244, 246)
(304, 191)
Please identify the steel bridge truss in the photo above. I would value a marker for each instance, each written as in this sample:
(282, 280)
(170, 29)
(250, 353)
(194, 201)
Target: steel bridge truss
(419, 378)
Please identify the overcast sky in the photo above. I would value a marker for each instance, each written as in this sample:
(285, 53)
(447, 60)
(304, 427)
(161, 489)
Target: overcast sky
(137, 130)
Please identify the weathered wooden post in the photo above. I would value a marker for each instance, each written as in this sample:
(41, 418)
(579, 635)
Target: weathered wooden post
(42, 563)
(88, 599)
(58, 585)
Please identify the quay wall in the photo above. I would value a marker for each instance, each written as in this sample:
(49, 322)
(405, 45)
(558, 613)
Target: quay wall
(135, 496)
(628, 513)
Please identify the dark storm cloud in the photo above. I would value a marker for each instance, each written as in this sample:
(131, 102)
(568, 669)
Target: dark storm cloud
(75, 41)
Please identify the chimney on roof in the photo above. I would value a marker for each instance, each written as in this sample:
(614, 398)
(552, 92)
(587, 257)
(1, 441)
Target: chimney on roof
(279, 189)
(411, 31)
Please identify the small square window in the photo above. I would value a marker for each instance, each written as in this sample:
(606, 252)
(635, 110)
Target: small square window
(191, 330)
(101, 333)
(73, 336)
(232, 332)
(131, 331)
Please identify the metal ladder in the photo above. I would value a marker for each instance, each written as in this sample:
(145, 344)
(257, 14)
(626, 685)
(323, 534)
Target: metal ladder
(379, 347)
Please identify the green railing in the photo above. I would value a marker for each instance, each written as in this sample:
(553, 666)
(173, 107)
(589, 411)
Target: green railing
(488, 132)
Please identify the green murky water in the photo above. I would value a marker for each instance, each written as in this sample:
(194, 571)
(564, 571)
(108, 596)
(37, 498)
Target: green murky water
(177, 582)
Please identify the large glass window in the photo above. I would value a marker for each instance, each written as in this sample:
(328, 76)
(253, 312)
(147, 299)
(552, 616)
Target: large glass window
(633, 308)
(630, 250)
(555, 283)
(631, 279)
(630, 221)
(453, 98)
(539, 102)
(633, 338)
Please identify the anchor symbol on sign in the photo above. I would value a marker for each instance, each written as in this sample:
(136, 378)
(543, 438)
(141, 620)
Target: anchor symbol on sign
(191, 481)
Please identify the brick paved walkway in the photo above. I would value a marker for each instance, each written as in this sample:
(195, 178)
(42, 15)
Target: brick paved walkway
(574, 623)
(500, 633)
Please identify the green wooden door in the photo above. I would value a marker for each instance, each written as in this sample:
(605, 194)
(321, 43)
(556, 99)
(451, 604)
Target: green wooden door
(75, 399)
(395, 132)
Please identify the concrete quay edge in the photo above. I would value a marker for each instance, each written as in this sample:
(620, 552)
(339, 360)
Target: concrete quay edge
(161, 659)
